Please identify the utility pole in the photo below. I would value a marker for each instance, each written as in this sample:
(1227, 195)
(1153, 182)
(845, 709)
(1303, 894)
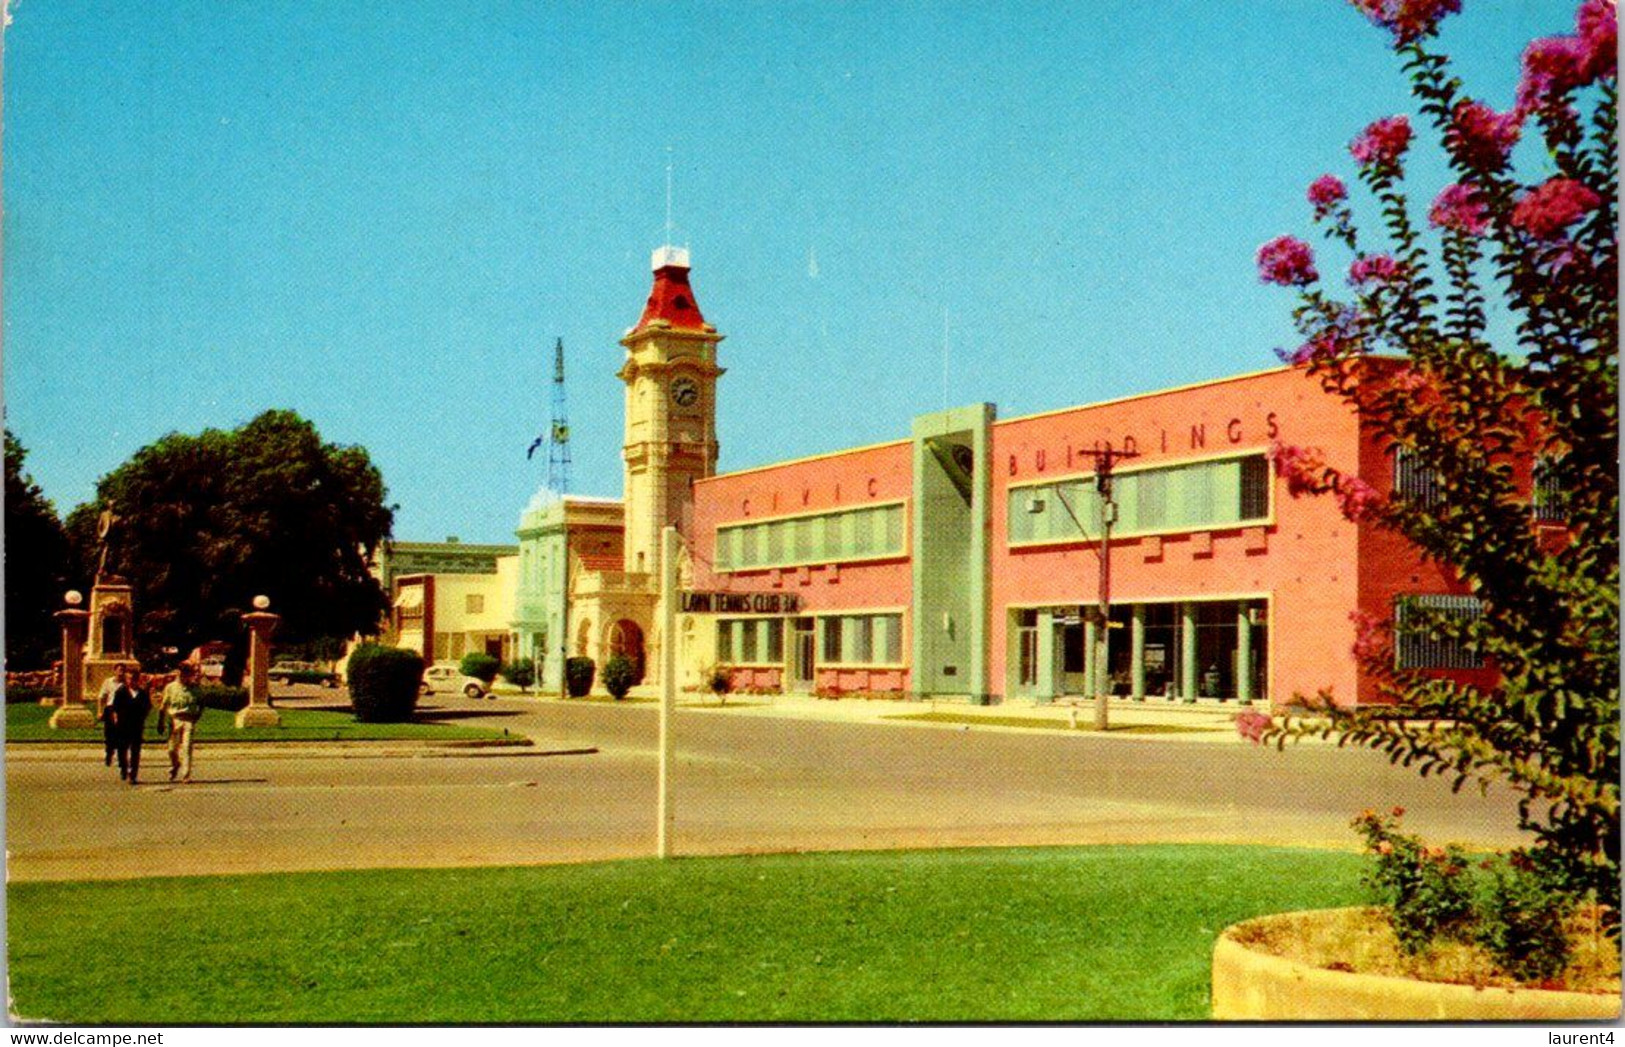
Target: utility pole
(1105, 458)
(670, 544)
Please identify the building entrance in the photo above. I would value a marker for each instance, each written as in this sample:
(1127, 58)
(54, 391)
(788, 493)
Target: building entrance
(802, 648)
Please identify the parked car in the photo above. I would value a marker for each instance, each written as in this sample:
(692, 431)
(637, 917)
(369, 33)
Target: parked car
(449, 679)
(302, 672)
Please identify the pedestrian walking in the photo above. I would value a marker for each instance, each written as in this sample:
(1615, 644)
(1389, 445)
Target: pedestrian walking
(131, 704)
(184, 707)
(104, 704)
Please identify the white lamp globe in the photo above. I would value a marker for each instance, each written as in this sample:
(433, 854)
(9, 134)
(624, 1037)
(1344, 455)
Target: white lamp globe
(261, 602)
(73, 598)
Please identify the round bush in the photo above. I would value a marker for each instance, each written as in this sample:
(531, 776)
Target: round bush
(578, 674)
(384, 683)
(619, 676)
(521, 673)
(221, 696)
(480, 666)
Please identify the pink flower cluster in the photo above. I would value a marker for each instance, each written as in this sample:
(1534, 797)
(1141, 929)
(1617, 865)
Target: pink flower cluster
(1408, 20)
(1372, 644)
(1459, 208)
(1374, 269)
(1383, 142)
(1357, 499)
(1482, 137)
(1556, 65)
(1326, 192)
(1548, 209)
(1287, 261)
(1303, 468)
(1251, 724)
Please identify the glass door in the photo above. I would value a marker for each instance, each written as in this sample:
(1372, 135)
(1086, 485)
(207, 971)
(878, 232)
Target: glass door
(801, 656)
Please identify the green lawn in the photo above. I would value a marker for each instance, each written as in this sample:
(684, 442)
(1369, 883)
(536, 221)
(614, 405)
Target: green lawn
(1047, 934)
(1085, 723)
(27, 722)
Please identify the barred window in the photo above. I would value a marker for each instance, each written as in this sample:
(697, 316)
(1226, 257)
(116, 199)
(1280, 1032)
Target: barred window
(863, 639)
(1415, 480)
(1418, 643)
(1549, 498)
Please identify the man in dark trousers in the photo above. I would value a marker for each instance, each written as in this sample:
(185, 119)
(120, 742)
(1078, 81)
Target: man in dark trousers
(131, 704)
(104, 706)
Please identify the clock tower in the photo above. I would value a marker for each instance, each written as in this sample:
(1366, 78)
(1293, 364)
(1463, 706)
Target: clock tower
(671, 410)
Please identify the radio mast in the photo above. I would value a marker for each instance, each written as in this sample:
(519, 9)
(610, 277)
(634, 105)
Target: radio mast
(558, 435)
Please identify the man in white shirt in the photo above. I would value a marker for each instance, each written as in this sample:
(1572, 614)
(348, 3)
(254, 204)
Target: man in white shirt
(104, 699)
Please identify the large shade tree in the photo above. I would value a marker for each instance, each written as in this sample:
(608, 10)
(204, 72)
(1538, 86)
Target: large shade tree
(1500, 321)
(36, 567)
(205, 523)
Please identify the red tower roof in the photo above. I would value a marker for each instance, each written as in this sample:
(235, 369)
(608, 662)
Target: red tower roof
(672, 300)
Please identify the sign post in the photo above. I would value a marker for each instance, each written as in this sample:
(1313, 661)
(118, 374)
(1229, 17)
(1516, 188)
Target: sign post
(669, 546)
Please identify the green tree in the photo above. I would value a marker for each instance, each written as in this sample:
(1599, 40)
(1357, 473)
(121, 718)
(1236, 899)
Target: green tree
(36, 567)
(521, 673)
(207, 522)
(1471, 404)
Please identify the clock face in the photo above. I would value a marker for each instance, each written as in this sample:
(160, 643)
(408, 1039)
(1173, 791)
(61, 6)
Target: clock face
(685, 392)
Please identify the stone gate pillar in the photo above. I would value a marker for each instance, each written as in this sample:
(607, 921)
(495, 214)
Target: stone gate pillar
(261, 623)
(72, 711)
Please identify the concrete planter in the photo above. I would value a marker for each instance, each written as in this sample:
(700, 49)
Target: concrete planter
(1249, 985)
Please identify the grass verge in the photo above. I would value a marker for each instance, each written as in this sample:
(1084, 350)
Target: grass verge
(1038, 722)
(1031, 934)
(31, 723)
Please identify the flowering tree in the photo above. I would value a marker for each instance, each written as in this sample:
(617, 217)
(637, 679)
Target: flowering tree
(1413, 347)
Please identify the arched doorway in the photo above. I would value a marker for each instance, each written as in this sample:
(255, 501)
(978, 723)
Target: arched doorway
(625, 637)
(583, 638)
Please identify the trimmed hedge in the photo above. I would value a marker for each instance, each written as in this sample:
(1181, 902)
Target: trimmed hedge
(384, 683)
(31, 693)
(578, 674)
(619, 676)
(483, 667)
(521, 673)
(220, 696)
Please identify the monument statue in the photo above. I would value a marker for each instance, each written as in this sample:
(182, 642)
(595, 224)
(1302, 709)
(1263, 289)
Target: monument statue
(106, 529)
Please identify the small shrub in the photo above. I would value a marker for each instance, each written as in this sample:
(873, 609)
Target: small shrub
(1426, 889)
(31, 693)
(1522, 915)
(384, 683)
(578, 674)
(719, 680)
(481, 666)
(521, 673)
(224, 697)
(619, 676)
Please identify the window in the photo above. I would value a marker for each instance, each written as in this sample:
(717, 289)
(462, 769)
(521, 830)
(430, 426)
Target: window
(474, 603)
(750, 641)
(1421, 632)
(1548, 497)
(863, 639)
(1414, 480)
(1027, 648)
(1198, 496)
(852, 534)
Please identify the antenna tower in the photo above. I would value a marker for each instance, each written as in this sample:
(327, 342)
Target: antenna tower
(558, 433)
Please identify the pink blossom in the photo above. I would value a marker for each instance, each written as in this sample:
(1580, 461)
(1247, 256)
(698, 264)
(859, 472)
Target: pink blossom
(1303, 468)
(1548, 209)
(1251, 724)
(1326, 192)
(1287, 261)
(1481, 136)
(1552, 66)
(1384, 847)
(1371, 638)
(1377, 268)
(1357, 499)
(1459, 208)
(1383, 142)
(1408, 20)
(1598, 24)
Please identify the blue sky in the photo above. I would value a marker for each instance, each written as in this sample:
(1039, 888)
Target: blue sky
(382, 216)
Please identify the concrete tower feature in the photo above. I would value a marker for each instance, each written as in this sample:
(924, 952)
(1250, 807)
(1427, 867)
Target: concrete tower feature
(671, 380)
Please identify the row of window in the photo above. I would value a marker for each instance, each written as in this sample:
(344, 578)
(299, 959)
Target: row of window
(851, 534)
(1418, 644)
(1181, 497)
(847, 639)
(1419, 483)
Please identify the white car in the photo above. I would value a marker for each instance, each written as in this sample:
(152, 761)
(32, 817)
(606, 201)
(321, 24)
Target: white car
(449, 679)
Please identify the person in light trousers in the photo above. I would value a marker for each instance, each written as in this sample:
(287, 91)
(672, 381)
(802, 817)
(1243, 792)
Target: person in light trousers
(184, 707)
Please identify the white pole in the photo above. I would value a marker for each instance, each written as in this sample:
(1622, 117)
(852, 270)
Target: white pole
(668, 685)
